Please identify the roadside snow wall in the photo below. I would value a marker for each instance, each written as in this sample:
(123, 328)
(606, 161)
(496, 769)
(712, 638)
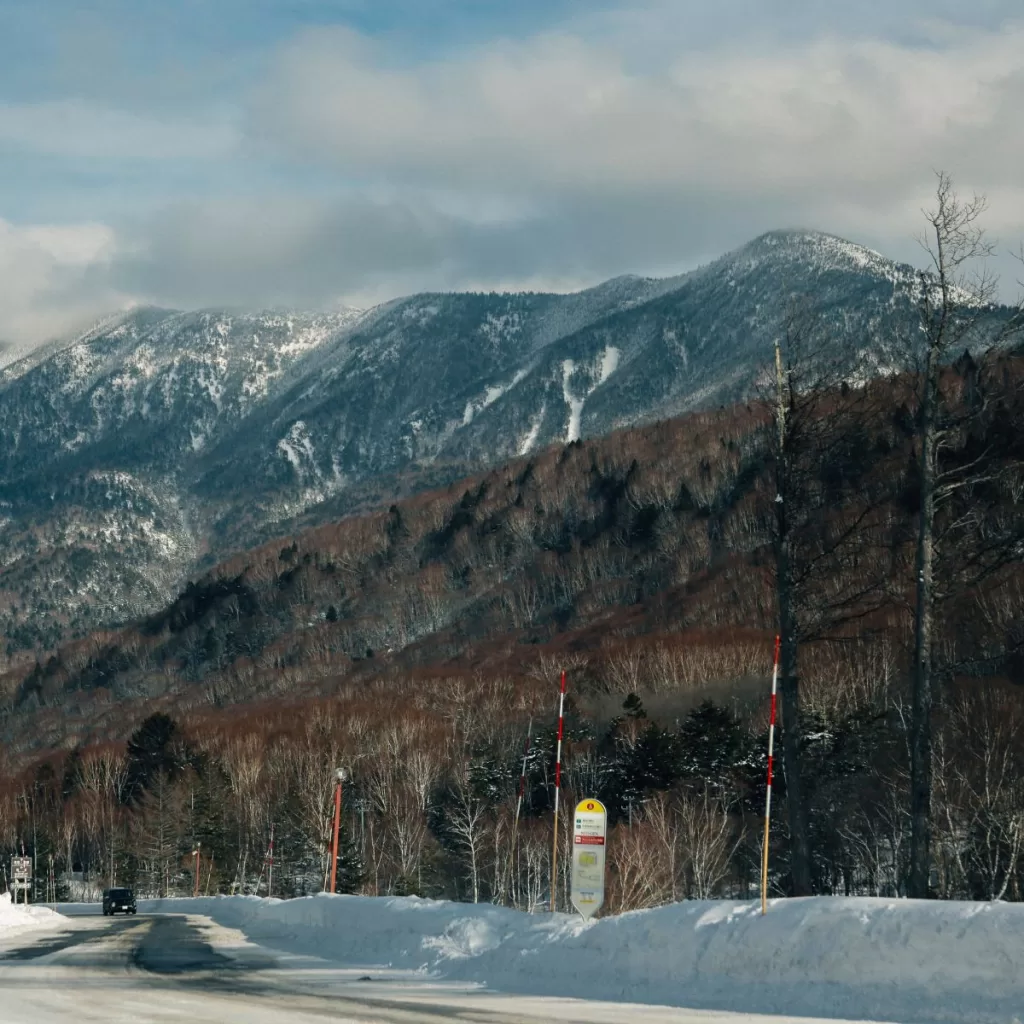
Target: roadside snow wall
(18, 918)
(874, 959)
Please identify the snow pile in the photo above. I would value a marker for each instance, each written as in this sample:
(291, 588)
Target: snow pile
(853, 958)
(18, 918)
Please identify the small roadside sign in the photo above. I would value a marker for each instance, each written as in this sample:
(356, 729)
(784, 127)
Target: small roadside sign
(21, 868)
(589, 835)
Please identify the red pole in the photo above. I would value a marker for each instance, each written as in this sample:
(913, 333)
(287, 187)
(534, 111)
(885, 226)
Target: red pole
(768, 792)
(334, 837)
(558, 790)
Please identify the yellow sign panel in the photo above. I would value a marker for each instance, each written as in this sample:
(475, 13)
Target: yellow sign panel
(589, 834)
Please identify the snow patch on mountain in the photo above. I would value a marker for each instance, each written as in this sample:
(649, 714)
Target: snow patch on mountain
(500, 327)
(297, 448)
(530, 439)
(77, 363)
(491, 394)
(609, 362)
(590, 377)
(575, 404)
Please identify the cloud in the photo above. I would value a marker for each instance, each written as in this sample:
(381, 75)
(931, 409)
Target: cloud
(607, 164)
(75, 129)
(563, 114)
(53, 279)
(645, 140)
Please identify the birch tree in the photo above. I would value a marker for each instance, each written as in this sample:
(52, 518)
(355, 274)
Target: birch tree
(956, 302)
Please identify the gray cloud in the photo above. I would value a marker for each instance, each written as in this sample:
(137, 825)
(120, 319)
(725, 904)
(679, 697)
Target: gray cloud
(53, 278)
(556, 159)
(556, 112)
(566, 158)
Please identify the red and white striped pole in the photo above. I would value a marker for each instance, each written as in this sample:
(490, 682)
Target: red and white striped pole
(768, 792)
(558, 790)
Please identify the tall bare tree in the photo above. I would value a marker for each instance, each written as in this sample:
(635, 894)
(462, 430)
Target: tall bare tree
(826, 510)
(957, 296)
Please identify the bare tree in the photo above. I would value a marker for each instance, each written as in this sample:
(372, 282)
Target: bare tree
(469, 823)
(955, 304)
(827, 507)
(707, 841)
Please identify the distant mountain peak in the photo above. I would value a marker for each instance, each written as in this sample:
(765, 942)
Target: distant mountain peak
(820, 247)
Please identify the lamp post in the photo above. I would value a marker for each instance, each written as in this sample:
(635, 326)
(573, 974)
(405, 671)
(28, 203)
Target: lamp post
(341, 775)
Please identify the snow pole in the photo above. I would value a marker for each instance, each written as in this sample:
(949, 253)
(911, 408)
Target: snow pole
(558, 790)
(768, 791)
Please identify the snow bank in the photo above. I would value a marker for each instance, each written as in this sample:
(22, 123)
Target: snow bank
(21, 918)
(876, 959)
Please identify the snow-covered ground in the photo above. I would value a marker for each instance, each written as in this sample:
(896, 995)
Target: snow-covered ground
(17, 919)
(827, 957)
(848, 959)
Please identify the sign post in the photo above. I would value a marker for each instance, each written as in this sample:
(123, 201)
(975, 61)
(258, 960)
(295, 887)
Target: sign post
(589, 835)
(21, 875)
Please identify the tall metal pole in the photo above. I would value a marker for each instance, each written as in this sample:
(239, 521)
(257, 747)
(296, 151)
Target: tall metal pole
(340, 774)
(558, 790)
(768, 792)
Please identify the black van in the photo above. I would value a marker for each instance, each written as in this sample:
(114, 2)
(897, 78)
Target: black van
(118, 899)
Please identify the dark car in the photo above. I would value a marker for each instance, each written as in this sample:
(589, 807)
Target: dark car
(115, 900)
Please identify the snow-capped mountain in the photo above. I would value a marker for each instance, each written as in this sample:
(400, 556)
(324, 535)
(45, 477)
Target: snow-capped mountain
(161, 437)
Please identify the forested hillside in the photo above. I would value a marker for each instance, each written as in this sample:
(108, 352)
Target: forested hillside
(155, 445)
(414, 645)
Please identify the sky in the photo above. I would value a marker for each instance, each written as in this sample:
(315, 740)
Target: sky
(317, 153)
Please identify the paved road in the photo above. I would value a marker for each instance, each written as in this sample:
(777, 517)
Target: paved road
(171, 968)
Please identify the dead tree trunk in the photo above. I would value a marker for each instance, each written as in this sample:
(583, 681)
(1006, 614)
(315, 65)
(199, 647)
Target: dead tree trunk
(789, 680)
(921, 706)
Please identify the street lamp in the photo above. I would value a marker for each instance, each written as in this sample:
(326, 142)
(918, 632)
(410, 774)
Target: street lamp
(341, 775)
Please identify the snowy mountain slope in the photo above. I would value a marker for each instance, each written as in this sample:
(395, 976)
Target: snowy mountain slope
(98, 521)
(218, 425)
(487, 377)
(148, 386)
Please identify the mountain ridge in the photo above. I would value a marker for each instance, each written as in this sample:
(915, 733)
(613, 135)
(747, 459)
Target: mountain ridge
(161, 439)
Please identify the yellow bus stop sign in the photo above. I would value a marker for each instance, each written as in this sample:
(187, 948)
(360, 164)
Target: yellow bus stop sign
(589, 840)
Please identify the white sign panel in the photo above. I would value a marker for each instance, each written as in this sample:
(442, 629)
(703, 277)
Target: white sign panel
(589, 834)
(21, 868)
